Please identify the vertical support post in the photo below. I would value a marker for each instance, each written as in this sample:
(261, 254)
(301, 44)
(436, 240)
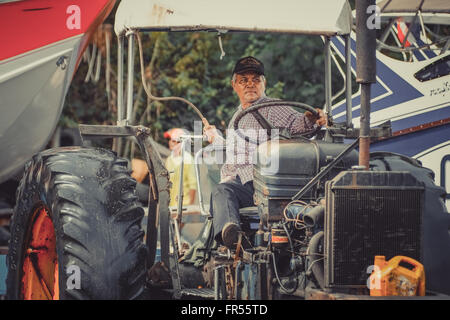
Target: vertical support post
(107, 31)
(179, 216)
(348, 81)
(117, 142)
(365, 74)
(328, 92)
(198, 156)
(180, 185)
(327, 76)
(130, 76)
(217, 283)
(220, 292)
(120, 46)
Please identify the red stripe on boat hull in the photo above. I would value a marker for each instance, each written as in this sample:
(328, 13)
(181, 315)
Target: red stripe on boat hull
(31, 24)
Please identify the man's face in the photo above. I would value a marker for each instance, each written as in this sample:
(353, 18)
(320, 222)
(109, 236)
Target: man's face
(173, 144)
(249, 87)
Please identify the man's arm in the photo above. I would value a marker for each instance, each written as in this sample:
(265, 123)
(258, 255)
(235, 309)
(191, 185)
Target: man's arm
(294, 121)
(213, 135)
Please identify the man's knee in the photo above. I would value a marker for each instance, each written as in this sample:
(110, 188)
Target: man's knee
(221, 189)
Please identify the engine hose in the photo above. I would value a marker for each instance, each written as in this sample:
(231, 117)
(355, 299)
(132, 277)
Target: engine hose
(314, 217)
(147, 89)
(289, 238)
(314, 257)
(286, 291)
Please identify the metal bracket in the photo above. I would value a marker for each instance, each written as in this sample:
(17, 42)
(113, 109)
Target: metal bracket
(102, 131)
(382, 131)
(220, 291)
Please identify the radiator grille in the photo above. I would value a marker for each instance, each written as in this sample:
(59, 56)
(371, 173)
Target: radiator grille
(369, 222)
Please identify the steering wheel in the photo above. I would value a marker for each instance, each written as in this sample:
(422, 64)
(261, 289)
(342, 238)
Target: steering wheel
(283, 132)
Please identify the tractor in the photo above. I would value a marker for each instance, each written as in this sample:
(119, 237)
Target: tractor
(320, 219)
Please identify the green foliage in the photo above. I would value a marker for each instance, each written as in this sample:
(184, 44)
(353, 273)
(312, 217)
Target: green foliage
(188, 65)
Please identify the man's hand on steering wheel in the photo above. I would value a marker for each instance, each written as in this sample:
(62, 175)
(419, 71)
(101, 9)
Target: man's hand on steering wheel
(210, 132)
(315, 115)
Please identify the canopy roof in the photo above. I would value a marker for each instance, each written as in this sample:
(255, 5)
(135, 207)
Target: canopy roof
(432, 11)
(430, 6)
(321, 17)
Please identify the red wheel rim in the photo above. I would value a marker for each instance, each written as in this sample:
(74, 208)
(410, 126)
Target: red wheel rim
(40, 267)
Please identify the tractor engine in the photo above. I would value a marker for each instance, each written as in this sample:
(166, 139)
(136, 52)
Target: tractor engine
(324, 244)
(327, 239)
(283, 167)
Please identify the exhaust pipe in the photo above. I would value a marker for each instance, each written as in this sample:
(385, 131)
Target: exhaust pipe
(365, 74)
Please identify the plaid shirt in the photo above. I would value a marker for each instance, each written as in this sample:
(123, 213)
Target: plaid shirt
(240, 152)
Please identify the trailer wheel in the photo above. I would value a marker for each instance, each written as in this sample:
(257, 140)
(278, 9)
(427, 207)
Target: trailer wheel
(76, 229)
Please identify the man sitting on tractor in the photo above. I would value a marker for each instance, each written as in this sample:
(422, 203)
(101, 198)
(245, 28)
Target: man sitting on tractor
(235, 189)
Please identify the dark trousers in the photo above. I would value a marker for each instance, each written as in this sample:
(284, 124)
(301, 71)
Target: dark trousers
(226, 199)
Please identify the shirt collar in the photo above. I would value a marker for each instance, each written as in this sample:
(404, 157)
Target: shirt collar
(256, 102)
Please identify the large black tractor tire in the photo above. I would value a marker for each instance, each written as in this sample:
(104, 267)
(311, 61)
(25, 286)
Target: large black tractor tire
(89, 197)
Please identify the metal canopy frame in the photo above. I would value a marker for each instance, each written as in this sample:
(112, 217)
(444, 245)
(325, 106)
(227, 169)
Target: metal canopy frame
(159, 190)
(124, 119)
(159, 195)
(202, 15)
(158, 205)
(160, 185)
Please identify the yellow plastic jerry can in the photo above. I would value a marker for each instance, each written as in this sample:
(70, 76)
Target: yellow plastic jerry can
(400, 276)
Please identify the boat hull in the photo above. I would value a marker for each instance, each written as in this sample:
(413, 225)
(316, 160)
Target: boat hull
(37, 65)
(33, 87)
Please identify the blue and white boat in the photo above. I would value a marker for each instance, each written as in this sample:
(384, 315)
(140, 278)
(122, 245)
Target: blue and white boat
(412, 92)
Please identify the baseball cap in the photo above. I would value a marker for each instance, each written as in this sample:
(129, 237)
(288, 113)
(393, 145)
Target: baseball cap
(247, 64)
(174, 133)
